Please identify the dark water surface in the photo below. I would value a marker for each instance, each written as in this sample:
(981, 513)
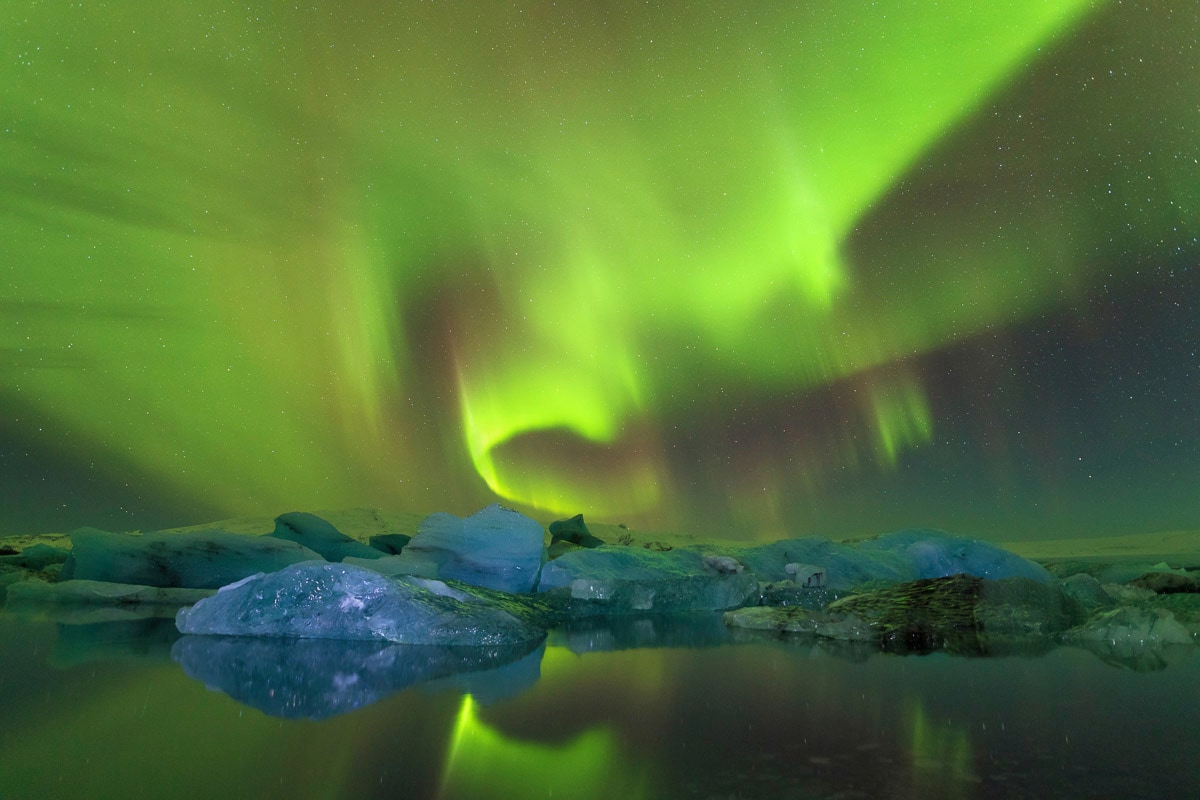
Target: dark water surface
(106, 711)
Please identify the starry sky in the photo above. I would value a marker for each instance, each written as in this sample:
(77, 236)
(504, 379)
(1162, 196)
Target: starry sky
(747, 270)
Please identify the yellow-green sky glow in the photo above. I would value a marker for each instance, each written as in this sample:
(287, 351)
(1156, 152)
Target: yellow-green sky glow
(417, 257)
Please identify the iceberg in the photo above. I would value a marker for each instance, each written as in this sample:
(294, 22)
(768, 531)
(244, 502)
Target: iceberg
(496, 548)
(1132, 628)
(631, 580)
(620, 563)
(198, 560)
(959, 613)
(36, 594)
(573, 530)
(318, 600)
(36, 558)
(933, 554)
(842, 565)
(320, 536)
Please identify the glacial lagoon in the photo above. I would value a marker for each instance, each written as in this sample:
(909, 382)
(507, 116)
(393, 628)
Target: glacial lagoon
(910, 665)
(643, 708)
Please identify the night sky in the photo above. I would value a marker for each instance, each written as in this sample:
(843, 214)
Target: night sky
(744, 269)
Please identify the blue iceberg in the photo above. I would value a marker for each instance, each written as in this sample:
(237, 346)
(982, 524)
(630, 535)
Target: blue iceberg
(933, 554)
(612, 579)
(496, 548)
(317, 600)
(843, 566)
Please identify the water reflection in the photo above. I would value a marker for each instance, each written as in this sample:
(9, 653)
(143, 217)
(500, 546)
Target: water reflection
(147, 640)
(942, 756)
(320, 678)
(604, 634)
(485, 762)
(637, 710)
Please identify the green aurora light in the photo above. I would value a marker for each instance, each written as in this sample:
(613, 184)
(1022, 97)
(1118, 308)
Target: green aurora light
(261, 258)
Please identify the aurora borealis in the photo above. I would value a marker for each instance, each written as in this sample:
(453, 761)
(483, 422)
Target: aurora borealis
(832, 267)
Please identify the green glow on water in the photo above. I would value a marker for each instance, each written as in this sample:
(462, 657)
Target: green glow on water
(942, 756)
(481, 762)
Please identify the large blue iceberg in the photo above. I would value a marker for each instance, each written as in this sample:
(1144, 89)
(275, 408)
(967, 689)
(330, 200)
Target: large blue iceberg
(317, 600)
(496, 548)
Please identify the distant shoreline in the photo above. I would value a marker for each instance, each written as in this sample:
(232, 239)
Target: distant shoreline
(1172, 546)
(1178, 547)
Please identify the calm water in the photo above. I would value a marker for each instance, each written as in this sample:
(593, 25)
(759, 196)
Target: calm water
(106, 710)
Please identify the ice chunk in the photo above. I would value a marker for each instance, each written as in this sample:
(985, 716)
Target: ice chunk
(496, 548)
(317, 679)
(37, 557)
(317, 600)
(320, 536)
(9, 576)
(1087, 592)
(573, 530)
(960, 613)
(1132, 628)
(634, 580)
(99, 593)
(933, 554)
(705, 593)
(628, 579)
(844, 566)
(617, 563)
(82, 603)
(199, 560)
(1020, 607)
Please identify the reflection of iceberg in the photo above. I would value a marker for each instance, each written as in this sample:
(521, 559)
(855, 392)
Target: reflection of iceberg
(481, 762)
(602, 634)
(319, 678)
(497, 683)
(147, 641)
